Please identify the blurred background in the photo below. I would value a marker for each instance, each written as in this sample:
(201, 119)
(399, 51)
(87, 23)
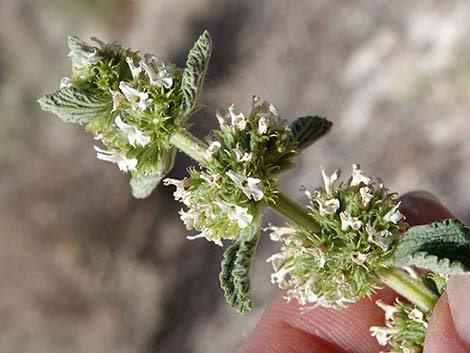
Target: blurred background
(86, 268)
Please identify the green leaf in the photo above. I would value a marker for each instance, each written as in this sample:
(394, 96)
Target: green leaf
(142, 185)
(442, 247)
(236, 264)
(77, 45)
(196, 67)
(73, 105)
(308, 129)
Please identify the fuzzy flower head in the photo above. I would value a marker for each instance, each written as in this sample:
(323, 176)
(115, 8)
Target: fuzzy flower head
(404, 330)
(238, 172)
(358, 233)
(132, 103)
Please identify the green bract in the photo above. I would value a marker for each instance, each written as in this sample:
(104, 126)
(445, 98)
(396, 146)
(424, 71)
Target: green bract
(360, 226)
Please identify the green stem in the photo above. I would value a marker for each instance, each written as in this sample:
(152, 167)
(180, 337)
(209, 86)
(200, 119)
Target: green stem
(189, 144)
(412, 289)
(294, 212)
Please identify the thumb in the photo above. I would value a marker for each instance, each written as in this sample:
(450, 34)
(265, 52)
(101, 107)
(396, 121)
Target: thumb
(449, 327)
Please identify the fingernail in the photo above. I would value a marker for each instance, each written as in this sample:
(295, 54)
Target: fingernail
(422, 207)
(423, 194)
(458, 289)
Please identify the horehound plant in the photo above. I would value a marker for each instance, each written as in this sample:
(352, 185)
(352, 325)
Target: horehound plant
(347, 242)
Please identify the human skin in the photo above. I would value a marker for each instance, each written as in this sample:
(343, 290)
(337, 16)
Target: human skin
(283, 329)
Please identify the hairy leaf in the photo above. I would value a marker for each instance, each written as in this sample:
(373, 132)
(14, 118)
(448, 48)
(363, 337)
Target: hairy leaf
(308, 129)
(73, 105)
(196, 67)
(236, 264)
(77, 45)
(442, 247)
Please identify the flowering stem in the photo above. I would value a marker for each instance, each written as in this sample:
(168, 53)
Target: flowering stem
(294, 212)
(290, 209)
(189, 144)
(412, 289)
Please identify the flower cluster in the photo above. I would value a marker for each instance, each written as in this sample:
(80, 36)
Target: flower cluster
(145, 104)
(404, 330)
(237, 173)
(359, 224)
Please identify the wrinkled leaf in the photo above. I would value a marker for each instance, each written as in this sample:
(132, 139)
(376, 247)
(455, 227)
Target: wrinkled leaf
(73, 105)
(442, 247)
(308, 129)
(77, 45)
(236, 264)
(195, 71)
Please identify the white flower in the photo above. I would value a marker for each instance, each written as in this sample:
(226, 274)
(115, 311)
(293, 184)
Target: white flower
(181, 185)
(329, 181)
(359, 177)
(238, 120)
(120, 159)
(365, 195)
(221, 119)
(243, 156)
(236, 213)
(134, 135)
(212, 179)
(382, 334)
(211, 150)
(390, 310)
(279, 277)
(328, 207)
(417, 316)
(206, 233)
(139, 100)
(263, 125)
(135, 71)
(383, 238)
(189, 218)
(277, 233)
(65, 82)
(394, 215)
(358, 257)
(349, 221)
(118, 98)
(251, 187)
(318, 254)
(161, 77)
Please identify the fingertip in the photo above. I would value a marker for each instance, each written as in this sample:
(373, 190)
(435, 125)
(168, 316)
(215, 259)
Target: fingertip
(441, 336)
(422, 207)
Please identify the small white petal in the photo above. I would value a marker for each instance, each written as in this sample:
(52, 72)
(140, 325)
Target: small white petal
(359, 177)
(329, 181)
(349, 221)
(65, 82)
(328, 207)
(394, 215)
(251, 187)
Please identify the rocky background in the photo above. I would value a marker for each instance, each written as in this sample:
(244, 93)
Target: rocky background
(85, 268)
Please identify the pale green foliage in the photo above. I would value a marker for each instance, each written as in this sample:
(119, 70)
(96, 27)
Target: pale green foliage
(336, 265)
(442, 247)
(195, 71)
(73, 105)
(308, 129)
(235, 274)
